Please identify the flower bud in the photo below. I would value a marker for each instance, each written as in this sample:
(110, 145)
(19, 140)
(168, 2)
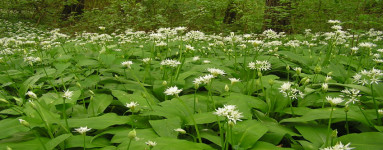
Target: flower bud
(164, 83)
(334, 133)
(317, 69)
(287, 67)
(132, 134)
(24, 123)
(271, 82)
(227, 89)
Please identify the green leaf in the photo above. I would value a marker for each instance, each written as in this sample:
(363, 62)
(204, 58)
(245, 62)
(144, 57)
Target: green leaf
(78, 141)
(10, 126)
(203, 118)
(366, 140)
(30, 145)
(165, 127)
(99, 103)
(100, 122)
(314, 134)
(247, 133)
(267, 146)
(87, 62)
(51, 144)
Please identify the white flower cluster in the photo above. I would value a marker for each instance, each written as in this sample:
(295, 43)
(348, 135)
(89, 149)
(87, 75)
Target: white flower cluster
(260, 65)
(203, 79)
(215, 72)
(339, 146)
(173, 91)
(132, 105)
(351, 94)
(334, 100)
(82, 130)
(368, 77)
(290, 92)
(32, 60)
(230, 112)
(367, 45)
(334, 21)
(68, 94)
(270, 34)
(127, 64)
(170, 63)
(31, 94)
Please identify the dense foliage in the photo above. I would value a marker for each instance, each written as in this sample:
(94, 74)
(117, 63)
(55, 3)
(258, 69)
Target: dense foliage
(176, 88)
(218, 16)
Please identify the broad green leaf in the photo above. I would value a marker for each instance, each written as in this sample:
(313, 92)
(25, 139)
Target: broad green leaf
(11, 126)
(204, 118)
(245, 103)
(30, 145)
(99, 122)
(366, 140)
(122, 135)
(247, 133)
(99, 103)
(78, 141)
(314, 134)
(87, 62)
(165, 127)
(51, 144)
(267, 146)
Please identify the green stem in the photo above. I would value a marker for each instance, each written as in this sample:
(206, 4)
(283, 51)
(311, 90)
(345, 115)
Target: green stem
(38, 137)
(65, 115)
(146, 92)
(84, 135)
(346, 125)
(376, 106)
(329, 126)
(192, 117)
(365, 117)
(130, 141)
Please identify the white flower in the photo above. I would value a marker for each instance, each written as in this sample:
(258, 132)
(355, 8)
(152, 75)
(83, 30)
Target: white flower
(328, 78)
(127, 64)
(368, 77)
(290, 92)
(132, 105)
(170, 63)
(260, 65)
(336, 27)
(334, 21)
(206, 61)
(234, 80)
(339, 146)
(196, 58)
(173, 91)
(180, 130)
(352, 95)
(151, 143)
(215, 72)
(230, 112)
(101, 28)
(189, 47)
(203, 79)
(334, 101)
(146, 60)
(324, 86)
(31, 94)
(82, 130)
(68, 94)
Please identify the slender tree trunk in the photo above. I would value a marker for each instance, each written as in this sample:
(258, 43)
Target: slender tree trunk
(277, 19)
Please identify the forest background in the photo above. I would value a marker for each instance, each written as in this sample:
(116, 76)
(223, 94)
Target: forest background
(211, 16)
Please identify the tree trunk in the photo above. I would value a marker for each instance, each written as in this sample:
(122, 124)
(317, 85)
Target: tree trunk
(230, 13)
(277, 16)
(73, 9)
